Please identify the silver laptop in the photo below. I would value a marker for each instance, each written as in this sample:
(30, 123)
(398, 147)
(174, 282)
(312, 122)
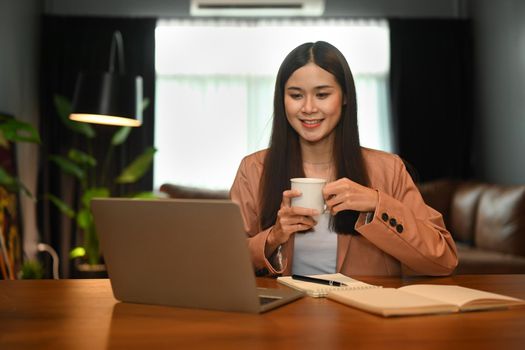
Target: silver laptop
(181, 252)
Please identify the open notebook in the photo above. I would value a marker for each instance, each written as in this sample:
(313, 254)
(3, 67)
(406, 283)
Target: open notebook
(418, 299)
(317, 290)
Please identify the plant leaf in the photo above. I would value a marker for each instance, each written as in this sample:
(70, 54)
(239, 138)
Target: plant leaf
(61, 205)
(32, 269)
(4, 143)
(77, 252)
(12, 183)
(145, 103)
(6, 179)
(120, 135)
(81, 157)
(93, 193)
(138, 167)
(18, 131)
(23, 187)
(64, 108)
(84, 218)
(68, 166)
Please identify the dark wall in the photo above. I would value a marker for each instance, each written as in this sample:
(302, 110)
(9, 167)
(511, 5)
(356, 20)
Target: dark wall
(431, 95)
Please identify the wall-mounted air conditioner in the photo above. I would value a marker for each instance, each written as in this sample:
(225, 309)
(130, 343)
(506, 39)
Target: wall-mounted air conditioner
(258, 8)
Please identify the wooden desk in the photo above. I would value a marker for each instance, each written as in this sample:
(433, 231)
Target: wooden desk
(82, 314)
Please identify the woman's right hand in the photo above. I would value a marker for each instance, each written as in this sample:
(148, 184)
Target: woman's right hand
(289, 221)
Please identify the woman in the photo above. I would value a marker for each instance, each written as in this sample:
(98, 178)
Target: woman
(382, 223)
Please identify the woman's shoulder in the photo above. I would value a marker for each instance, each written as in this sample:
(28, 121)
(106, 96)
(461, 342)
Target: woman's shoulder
(383, 167)
(255, 158)
(374, 156)
(253, 163)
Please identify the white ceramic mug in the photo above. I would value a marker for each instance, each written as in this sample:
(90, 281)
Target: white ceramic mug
(312, 193)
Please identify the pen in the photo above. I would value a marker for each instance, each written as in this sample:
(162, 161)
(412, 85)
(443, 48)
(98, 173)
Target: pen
(317, 280)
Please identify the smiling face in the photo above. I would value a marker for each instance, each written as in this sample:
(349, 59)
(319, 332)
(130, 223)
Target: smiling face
(313, 102)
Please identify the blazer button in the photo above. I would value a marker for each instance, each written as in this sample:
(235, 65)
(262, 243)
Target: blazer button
(384, 216)
(393, 222)
(399, 228)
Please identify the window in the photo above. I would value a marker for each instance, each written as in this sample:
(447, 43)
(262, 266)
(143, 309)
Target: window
(215, 81)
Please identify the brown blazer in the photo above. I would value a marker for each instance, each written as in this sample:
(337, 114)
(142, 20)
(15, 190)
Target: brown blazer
(405, 235)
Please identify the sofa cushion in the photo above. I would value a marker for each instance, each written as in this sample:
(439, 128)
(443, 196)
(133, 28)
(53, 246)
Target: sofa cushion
(438, 195)
(463, 211)
(500, 223)
(474, 260)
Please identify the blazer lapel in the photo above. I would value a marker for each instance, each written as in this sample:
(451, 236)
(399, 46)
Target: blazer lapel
(343, 242)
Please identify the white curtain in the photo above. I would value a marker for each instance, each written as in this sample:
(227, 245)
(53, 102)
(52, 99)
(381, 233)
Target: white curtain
(215, 81)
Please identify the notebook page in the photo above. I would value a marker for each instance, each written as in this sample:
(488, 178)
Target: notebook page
(465, 298)
(391, 302)
(317, 290)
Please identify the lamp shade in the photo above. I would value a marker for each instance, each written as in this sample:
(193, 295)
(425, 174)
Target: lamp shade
(108, 98)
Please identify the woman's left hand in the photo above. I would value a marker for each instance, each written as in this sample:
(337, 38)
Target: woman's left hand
(345, 194)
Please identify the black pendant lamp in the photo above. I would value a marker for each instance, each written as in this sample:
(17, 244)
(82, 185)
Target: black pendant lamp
(111, 98)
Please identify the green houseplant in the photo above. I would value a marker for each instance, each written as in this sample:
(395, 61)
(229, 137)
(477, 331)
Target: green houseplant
(13, 131)
(92, 176)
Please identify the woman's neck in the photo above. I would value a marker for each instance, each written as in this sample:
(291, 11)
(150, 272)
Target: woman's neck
(318, 160)
(318, 153)
(319, 170)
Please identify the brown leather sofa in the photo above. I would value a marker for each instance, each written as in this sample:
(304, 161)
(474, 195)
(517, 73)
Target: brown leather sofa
(179, 191)
(487, 222)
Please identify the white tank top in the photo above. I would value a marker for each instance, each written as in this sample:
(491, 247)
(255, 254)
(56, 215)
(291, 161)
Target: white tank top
(315, 252)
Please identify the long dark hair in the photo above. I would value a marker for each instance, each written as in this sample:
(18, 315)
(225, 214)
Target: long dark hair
(283, 160)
